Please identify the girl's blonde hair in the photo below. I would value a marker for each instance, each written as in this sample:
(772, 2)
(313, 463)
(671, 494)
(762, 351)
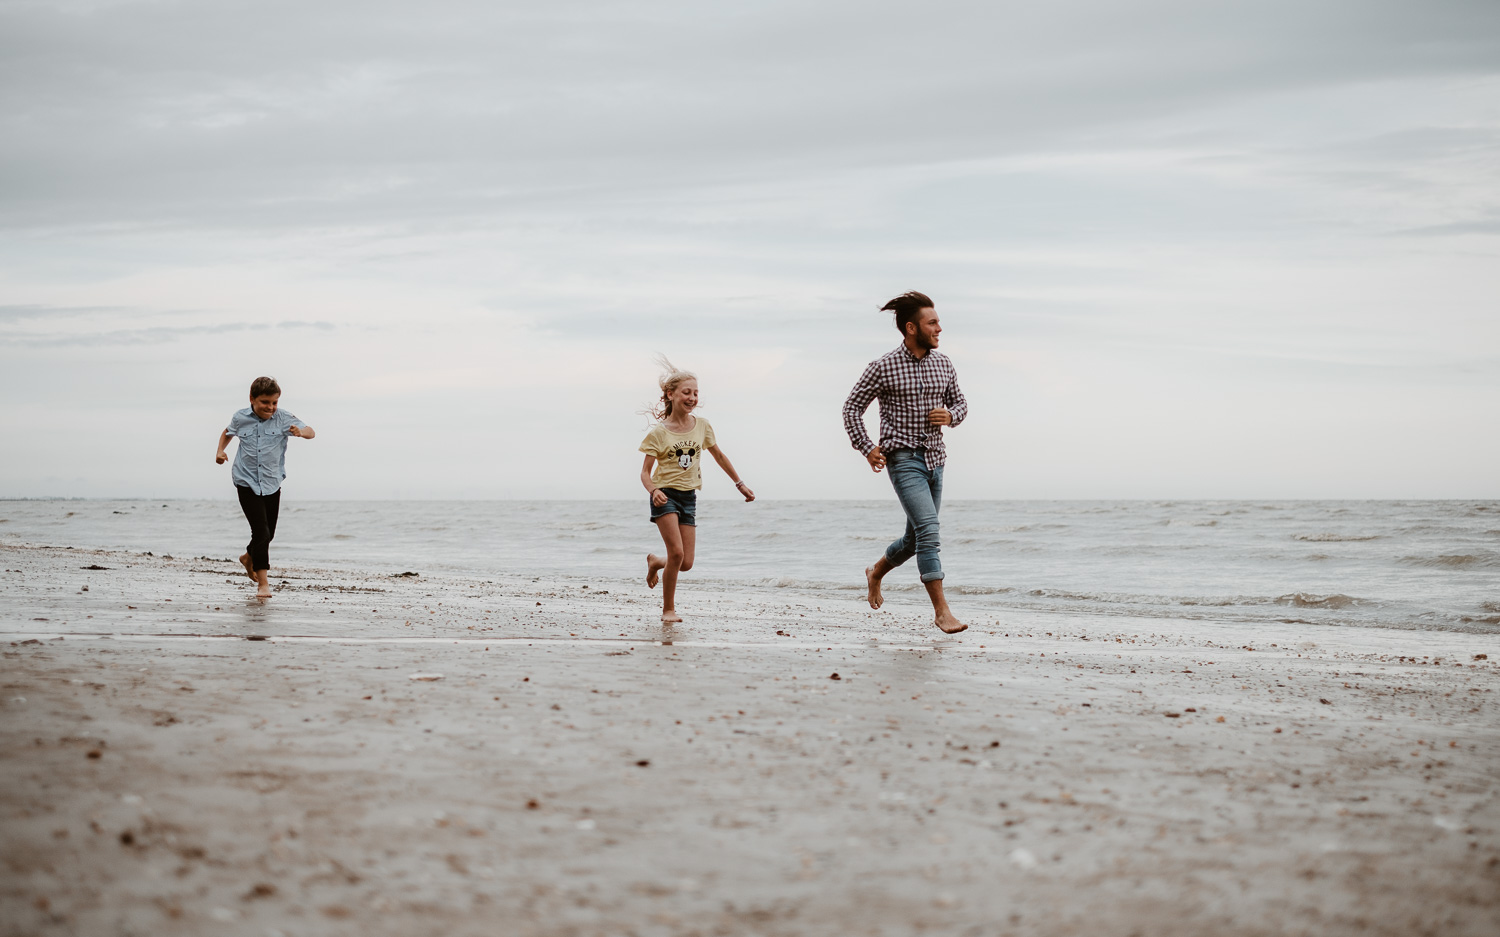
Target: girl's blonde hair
(669, 380)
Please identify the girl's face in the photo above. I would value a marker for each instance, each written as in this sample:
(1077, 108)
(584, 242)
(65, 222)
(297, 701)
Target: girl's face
(685, 397)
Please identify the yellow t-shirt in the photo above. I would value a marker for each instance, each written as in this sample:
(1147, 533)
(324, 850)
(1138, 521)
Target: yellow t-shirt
(678, 455)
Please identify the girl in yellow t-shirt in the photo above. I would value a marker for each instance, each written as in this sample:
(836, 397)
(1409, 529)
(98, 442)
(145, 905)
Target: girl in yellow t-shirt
(675, 446)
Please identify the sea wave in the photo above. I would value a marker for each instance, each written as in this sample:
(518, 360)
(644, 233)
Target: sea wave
(1455, 561)
(792, 582)
(1335, 538)
(1084, 596)
(1308, 600)
(1296, 599)
(980, 590)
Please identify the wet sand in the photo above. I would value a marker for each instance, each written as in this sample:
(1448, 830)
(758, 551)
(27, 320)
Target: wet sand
(179, 758)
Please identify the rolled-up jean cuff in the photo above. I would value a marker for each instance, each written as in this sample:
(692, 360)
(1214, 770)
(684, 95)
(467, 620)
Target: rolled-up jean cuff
(933, 576)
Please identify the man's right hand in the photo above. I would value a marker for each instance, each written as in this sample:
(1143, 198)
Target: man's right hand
(876, 458)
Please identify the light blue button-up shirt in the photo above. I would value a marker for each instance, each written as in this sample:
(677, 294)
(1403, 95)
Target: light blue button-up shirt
(260, 460)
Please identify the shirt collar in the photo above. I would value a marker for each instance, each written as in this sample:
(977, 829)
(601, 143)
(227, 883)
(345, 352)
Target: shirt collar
(907, 351)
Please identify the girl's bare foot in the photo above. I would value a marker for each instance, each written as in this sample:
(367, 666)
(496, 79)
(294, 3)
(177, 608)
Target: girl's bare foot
(873, 584)
(264, 592)
(948, 624)
(654, 565)
(245, 562)
(670, 617)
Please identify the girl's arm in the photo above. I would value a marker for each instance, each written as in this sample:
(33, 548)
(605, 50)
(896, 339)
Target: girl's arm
(734, 476)
(658, 497)
(221, 457)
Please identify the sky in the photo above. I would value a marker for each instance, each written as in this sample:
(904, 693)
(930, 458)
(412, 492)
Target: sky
(1179, 249)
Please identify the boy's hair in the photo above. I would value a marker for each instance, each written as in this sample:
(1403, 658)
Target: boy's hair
(906, 307)
(669, 380)
(264, 387)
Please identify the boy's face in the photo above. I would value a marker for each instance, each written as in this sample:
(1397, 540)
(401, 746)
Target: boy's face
(264, 407)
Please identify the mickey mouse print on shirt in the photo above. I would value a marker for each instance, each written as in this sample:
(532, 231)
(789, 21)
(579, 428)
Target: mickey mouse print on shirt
(679, 456)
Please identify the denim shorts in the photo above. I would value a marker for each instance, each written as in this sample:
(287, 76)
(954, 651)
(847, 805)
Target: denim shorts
(682, 503)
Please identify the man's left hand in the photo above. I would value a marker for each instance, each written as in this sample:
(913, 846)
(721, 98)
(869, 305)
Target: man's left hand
(940, 417)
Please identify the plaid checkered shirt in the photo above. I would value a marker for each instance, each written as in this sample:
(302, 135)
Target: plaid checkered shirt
(909, 388)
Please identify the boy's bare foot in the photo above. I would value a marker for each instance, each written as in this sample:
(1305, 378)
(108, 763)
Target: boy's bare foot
(873, 585)
(670, 617)
(948, 624)
(245, 562)
(654, 565)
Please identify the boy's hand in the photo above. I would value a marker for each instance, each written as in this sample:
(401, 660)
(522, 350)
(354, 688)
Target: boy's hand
(876, 459)
(940, 417)
(293, 431)
(220, 458)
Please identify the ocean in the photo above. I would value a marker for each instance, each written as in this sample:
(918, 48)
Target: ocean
(1422, 565)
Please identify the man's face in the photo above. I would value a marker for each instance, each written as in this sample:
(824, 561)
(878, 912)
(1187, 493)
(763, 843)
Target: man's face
(927, 329)
(264, 407)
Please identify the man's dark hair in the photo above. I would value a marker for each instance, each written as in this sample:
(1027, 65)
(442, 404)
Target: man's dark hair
(906, 307)
(264, 387)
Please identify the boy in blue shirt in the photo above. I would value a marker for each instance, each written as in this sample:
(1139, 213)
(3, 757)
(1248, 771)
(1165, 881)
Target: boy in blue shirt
(259, 468)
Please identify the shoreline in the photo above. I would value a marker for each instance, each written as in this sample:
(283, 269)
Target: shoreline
(579, 769)
(1408, 566)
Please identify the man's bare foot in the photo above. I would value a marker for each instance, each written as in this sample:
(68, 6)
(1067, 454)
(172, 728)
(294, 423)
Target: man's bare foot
(948, 624)
(245, 562)
(654, 565)
(670, 617)
(873, 584)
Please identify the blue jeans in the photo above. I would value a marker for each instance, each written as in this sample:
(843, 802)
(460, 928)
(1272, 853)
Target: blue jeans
(680, 502)
(920, 491)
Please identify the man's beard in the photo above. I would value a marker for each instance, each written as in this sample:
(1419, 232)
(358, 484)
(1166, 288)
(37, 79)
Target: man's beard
(923, 342)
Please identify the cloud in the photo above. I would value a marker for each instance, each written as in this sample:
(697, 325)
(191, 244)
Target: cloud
(23, 311)
(321, 326)
(267, 115)
(1489, 225)
(1140, 220)
(153, 335)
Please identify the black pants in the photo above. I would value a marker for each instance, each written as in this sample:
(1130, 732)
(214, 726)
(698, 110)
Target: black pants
(260, 511)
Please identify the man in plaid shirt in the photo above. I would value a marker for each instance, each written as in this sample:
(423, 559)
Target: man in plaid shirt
(918, 392)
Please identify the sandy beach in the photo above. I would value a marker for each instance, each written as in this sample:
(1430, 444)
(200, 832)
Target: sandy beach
(178, 758)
